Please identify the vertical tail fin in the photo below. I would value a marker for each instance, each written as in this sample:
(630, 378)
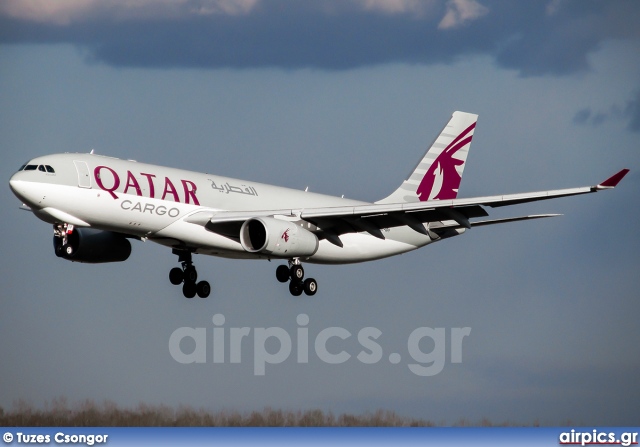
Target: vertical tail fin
(438, 174)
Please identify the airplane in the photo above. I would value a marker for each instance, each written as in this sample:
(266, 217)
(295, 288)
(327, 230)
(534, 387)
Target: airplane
(96, 204)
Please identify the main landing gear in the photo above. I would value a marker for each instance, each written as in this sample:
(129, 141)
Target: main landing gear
(295, 274)
(187, 276)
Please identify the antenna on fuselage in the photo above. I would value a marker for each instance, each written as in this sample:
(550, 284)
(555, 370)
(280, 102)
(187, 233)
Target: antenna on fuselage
(92, 151)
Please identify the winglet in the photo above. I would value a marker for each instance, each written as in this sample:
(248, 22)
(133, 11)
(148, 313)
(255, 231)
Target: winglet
(612, 181)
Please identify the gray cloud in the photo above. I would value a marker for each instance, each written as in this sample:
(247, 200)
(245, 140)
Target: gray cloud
(632, 112)
(629, 114)
(588, 117)
(582, 116)
(532, 38)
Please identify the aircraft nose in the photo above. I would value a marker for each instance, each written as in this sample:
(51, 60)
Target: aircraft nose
(18, 186)
(13, 183)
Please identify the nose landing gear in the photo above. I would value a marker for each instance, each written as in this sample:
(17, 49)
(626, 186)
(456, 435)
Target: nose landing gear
(187, 276)
(294, 273)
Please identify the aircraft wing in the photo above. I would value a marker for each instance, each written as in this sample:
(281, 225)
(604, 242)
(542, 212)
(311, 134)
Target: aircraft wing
(441, 216)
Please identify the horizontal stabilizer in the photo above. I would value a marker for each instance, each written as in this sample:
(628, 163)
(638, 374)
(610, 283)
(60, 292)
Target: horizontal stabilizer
(512, 219)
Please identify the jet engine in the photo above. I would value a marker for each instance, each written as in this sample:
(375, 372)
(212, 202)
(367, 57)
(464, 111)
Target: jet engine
(92, 246)
(279, 238)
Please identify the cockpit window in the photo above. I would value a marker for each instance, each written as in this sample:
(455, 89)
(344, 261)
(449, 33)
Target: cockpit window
(42, 168)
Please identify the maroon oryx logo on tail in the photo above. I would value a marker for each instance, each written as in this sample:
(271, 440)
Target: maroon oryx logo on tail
(285, 235)
(442, 180)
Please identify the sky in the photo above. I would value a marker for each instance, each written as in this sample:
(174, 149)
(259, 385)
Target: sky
(342, 97)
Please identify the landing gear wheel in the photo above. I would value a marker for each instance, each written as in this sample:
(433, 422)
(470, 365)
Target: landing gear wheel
(282, 273)
(310, 286)
(69, 250)
(176, 276)
(203, 289)
(190, 274)
(57, 246)
(189, 289)
(296, 287)
(297, 272)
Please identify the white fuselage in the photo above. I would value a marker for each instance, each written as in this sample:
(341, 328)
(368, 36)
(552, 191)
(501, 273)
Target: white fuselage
(152, 202)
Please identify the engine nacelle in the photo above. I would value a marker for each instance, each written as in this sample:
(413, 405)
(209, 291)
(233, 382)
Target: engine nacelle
(276, 237)
(93, 246)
